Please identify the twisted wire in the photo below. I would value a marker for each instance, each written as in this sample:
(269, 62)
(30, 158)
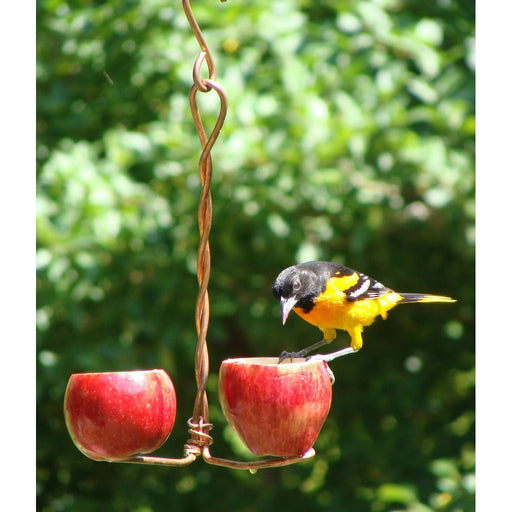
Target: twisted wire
(202, 313)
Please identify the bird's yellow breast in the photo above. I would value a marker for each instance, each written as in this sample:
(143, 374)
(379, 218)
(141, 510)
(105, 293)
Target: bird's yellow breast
(332, 310)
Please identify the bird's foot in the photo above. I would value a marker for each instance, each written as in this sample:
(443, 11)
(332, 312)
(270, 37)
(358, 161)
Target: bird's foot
(291, 355)
(301, 353)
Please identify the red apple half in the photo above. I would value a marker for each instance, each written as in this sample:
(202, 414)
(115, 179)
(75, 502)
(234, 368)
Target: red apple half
(117, 415)
(276, 409)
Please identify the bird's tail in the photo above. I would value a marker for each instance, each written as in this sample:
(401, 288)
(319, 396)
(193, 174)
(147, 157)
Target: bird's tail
(423, 297)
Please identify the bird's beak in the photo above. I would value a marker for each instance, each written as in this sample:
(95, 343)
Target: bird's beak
(287, 306)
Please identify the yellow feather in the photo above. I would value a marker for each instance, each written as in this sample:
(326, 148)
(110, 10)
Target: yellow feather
(332, 311)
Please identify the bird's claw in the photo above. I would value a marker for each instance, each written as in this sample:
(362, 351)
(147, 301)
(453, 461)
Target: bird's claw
(290, 355)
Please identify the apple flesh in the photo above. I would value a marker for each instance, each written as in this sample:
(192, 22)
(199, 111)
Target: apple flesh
(276, 409)
(117, 415)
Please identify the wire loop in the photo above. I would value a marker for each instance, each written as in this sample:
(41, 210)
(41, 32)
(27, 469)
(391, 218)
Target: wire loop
(196, 77)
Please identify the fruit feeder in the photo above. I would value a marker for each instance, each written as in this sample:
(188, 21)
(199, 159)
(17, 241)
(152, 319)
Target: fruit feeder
(276, 409)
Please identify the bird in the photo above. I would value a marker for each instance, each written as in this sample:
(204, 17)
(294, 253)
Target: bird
(331, 296)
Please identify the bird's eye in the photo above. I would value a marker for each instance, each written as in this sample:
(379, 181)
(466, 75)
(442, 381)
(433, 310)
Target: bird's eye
(296, 285)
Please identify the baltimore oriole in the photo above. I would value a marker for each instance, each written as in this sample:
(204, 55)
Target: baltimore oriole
(332, 296)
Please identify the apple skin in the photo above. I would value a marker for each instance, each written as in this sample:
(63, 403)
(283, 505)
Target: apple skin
(276, 409)
(117, 415)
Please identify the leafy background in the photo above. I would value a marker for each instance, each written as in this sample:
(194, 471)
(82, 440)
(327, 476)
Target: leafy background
(350, 138)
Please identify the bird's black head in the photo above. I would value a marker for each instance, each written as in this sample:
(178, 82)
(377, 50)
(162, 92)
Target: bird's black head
(298, 286)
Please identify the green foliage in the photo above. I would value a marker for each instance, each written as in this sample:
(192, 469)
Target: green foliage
(349, 137)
